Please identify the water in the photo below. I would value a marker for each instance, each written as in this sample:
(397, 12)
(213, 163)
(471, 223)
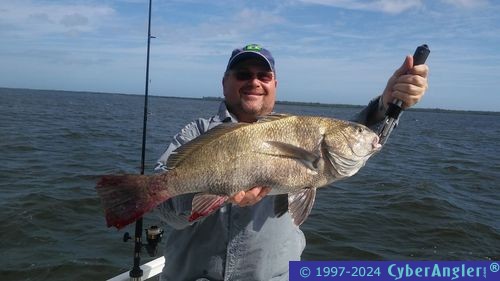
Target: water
(431, 194)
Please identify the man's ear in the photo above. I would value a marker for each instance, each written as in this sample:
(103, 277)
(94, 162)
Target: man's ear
(223, 80)
(223, 87)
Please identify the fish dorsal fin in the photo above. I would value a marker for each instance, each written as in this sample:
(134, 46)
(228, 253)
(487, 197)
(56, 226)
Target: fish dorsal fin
(183, 151)
(272, 117)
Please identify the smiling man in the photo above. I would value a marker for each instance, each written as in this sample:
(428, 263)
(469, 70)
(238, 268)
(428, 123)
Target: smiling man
(246, 240)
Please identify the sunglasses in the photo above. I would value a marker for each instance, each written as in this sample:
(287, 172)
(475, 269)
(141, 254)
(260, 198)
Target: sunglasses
(245, 75)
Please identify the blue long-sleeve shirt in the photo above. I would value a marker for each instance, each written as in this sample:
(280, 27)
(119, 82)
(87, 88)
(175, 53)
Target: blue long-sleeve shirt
(235, 243)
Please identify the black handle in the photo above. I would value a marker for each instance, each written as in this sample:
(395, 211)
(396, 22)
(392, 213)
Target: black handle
(421, 54)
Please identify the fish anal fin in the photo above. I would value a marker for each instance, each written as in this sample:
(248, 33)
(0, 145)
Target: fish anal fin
(205, 205)
(300, 204)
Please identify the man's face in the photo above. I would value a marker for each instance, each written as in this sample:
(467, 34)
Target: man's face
(250, 90)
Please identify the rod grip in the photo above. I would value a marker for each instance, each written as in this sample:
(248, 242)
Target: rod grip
(421, 54)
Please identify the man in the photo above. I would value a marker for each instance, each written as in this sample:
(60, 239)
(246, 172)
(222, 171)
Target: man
(245, 240)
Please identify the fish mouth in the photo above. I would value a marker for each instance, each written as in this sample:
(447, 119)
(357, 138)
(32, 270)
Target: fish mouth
(376, 144)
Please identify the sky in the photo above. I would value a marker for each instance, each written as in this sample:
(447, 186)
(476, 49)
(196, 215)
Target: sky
(327, 51)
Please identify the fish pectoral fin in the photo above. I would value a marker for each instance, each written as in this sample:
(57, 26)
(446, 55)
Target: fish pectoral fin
(300, 204)
(206, 204)
(309, 159)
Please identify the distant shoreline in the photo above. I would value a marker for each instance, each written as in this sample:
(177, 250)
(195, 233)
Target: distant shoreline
(210, 98)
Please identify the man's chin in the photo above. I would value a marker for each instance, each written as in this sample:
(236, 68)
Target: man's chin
(253, 109)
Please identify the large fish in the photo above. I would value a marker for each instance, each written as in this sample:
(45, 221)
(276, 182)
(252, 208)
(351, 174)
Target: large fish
(293, 155)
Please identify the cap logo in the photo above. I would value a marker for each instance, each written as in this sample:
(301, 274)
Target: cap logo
(254, 51)
(253, 47)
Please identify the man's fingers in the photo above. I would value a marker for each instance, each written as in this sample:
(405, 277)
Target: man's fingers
(238, 197)
(409, 89)
(421, 70)
(416, 80)
(250, 197)
(265, 191)
(254, 192)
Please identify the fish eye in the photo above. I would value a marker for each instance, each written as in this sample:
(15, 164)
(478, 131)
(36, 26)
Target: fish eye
(360, 130)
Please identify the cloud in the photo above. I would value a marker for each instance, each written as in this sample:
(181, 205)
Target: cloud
(395, 6)
(28, 18)
(74, 20)
(385, 6)
(467, 4)
(215, 35)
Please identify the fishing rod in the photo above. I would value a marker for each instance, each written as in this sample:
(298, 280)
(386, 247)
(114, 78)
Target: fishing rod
(395, 110)
(153, 234)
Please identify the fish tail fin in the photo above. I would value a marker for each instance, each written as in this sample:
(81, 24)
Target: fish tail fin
(126, 198)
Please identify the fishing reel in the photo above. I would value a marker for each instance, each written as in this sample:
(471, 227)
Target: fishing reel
(153, 236)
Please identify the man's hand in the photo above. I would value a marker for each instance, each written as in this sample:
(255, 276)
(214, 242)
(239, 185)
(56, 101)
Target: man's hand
(407, 84)
(249, 197)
